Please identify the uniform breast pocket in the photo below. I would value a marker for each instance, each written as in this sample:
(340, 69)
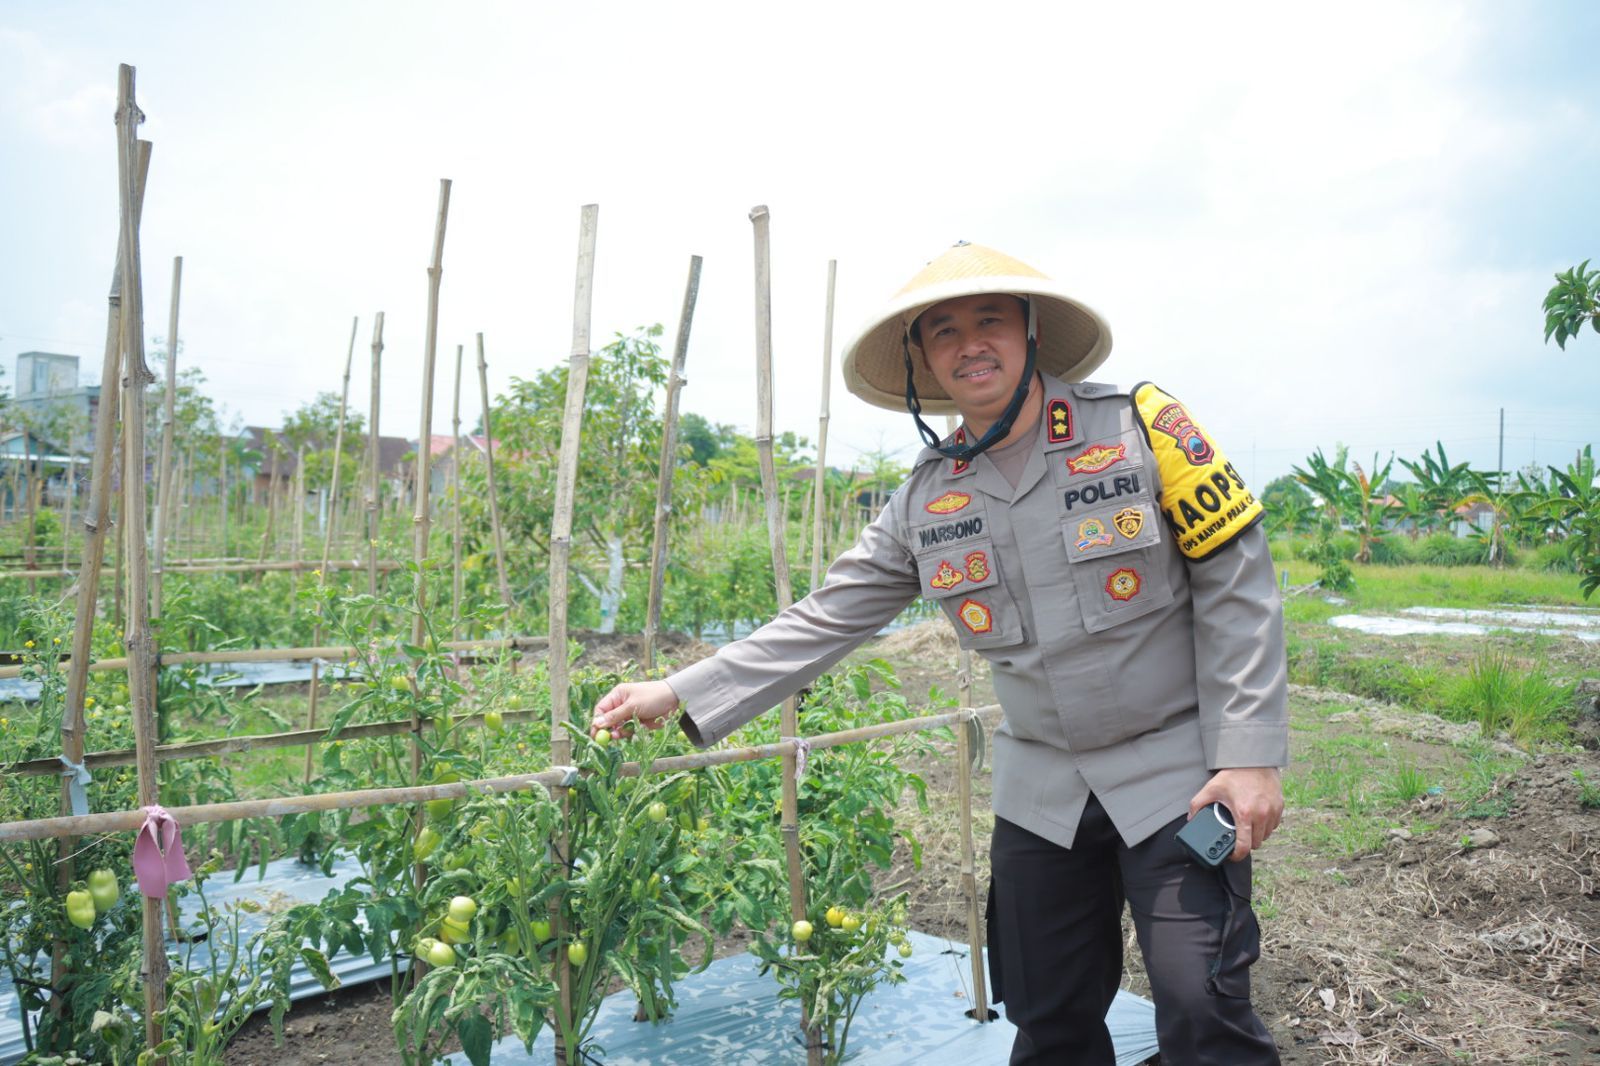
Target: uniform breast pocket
(964, 580)
(1119, 564)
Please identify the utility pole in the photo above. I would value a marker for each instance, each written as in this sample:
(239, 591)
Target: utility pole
(1500, 463)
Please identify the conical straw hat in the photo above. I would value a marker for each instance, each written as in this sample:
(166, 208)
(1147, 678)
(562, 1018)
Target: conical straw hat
(1073, 338)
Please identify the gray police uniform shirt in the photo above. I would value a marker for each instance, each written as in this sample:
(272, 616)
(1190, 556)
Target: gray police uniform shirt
(1131, 622)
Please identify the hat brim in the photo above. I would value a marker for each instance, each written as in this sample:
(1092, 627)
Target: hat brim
(1073, 340)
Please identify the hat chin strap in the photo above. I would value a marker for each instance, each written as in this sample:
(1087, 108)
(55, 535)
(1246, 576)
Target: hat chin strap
(963, 453)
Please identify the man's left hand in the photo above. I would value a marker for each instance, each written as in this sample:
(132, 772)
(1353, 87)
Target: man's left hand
(1254, 795)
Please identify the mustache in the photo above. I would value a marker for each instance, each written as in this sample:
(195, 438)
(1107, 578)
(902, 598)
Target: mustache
(976, 362)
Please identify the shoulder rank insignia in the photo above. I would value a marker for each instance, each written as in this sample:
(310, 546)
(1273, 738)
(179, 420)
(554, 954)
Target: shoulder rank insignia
(949, 503)
(1128, 521)
(1059, 425)
(1099, 457)
(975, 616)
(1202, 495)
(1123, 584)
(959, 466)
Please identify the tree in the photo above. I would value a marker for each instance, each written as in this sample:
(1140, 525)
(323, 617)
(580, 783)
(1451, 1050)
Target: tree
(314, 426)
(1287, 503)
(704, 439)
(1442, 484)
(1572, 301)
(1575, 506)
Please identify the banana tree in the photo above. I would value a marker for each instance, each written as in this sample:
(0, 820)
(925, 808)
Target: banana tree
(1575, 506)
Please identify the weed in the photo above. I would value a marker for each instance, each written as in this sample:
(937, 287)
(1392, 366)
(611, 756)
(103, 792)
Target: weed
(1588, 795)
(1406, 784)
(1501, 696)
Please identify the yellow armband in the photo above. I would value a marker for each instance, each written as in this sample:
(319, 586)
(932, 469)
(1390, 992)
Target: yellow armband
(1202, 495)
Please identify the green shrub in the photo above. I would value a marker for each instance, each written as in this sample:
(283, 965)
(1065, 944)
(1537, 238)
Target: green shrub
(1394, 551)
(1444, 549)
(1555, 558)
(1502, 696)
(1329, 553)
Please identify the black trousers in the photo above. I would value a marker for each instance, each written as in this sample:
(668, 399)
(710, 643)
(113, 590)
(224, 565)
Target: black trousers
(1055, 945)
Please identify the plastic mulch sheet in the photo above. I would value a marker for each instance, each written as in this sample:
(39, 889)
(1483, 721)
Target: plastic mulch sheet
(730, 1015)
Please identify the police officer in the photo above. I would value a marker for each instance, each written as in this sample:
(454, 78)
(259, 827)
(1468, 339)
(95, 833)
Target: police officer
(1096, 546)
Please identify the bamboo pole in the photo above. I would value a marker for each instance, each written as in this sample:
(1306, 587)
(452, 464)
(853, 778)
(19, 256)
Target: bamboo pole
(455, 503)
(819, 496)
(96, 512)
(374, 458)
(494, 498)
(277, 806)
(761, 221)
(72, 492)
(246, 567)
(30, 557)
(141, 672)
(298, 492)
(560, 554)
(327, 541)
(222, 489)
(164, 471)
(669, 464)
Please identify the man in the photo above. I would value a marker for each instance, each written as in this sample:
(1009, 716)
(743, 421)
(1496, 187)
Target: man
(1102, 554)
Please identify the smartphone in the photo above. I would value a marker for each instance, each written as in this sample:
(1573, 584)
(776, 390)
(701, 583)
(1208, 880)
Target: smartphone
(1209, 836)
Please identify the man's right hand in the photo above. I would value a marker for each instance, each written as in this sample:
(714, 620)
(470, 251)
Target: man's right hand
(647, 702)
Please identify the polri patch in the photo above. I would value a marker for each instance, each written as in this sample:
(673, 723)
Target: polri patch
(1059, 424)
(946, 577)
(1092, 534)
(1099, 457)
(949, 503)
(1175, 422)
(1128, 521)
(1123, 584)
(975, 616)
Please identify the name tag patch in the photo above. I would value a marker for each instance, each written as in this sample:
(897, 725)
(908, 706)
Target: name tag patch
(1108, 488)
(949, 532)
(1124, 584)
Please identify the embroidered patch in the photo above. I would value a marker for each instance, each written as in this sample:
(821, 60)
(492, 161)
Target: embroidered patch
(1060, 424)
(1098, 458)
(1128, 521)
(959, 466)
(1175, 422)
(960, 529)
(1092, 534)
(946, 577)
(1123, 584)
(977, 566)
(975, 616)
(949, 503)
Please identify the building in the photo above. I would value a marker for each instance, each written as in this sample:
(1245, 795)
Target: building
(49, 399)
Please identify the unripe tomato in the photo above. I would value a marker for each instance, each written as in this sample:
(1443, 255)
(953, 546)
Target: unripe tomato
(454, 932)
(702, 823)
(657, 811)
(439, 809)
(462, 909)
(80, 908)
(103, 890)
(426, 842)
(851, 923)
(801, 931)
(577, 953)
(541, 929)
(441, 956)
(602, 738)
(399, 683)
(835, 917)
(494, 721)
(905, 949)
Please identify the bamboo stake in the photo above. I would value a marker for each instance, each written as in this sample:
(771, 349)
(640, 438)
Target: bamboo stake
(374, 458)
(494, 498)
(669, 464)
(72, 491)
(96, 512)
(168, 413)
(222, 490)
(141, 673)
(560, 554)
(298, 492)
(277, 806)
(30, 557)
(761, 221)
(455, 504)
(819, 498)
(327, 542)
(245, 567)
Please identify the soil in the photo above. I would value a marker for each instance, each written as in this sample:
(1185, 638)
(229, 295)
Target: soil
(1430, 950)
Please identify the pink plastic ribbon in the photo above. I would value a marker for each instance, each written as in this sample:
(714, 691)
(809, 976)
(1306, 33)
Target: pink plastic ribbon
(158, 859)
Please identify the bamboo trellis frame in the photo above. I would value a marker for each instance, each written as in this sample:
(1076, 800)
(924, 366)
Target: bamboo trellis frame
(168, 415)
(819, 490)
(494, 498)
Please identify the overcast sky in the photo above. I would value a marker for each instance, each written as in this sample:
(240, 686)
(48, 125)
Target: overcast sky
(1312, 227)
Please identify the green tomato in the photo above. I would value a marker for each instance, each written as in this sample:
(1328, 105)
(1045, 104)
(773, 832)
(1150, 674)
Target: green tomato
(602, 738)
(577, 953)
(441, 956)
(80, 908)
(462, 909)
(425, 844)
(400, 683)
(905, 949)
(103, 889)
(439, 809)
(657, 811)
(541, 929)
(850, 923)
(801, 931)
(454, 932)
(494, 721)
(835, 917)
